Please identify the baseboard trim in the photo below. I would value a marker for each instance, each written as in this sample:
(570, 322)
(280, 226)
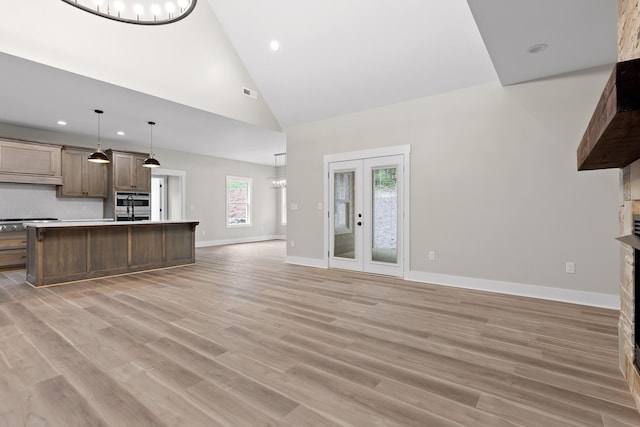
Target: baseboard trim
(594, 299)
(203, 244)
(307, 262)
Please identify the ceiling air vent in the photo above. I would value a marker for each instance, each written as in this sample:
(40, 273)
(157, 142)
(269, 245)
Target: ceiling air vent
(250, 93)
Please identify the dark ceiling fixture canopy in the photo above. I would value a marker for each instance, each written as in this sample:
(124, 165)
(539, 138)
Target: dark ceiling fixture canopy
(98, 156)
(143, 12)
(151, 161)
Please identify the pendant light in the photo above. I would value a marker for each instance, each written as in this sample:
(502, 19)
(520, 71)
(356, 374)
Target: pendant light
(278, 181)
(151, 162)
(98, 156)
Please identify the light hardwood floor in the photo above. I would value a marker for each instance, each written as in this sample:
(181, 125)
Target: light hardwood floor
(242, 339)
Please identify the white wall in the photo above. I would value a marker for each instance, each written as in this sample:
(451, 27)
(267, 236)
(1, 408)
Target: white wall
(40, 201)
(190, 62)
(494, 187)
(174, 197)
(281, 228)
(205, 186)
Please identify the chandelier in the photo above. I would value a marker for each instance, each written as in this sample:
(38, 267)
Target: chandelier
(145, 12)
(279, 180)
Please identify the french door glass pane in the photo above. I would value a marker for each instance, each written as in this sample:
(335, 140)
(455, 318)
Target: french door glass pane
(384, 227)
(344, 232)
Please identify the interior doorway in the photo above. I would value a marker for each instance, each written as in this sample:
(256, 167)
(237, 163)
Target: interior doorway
(168, 194)
(158, 197)
(367, 218)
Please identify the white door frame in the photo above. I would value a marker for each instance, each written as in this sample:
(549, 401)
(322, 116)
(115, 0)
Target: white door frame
(183, 185)
(404, 150)
(163, 196)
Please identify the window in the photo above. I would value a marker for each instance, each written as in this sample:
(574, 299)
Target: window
(343, 214)
(283, 206)
(238, 201)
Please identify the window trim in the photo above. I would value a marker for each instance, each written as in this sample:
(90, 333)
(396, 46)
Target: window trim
(249, 182)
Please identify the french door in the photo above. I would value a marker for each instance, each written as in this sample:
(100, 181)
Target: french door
(365, 215)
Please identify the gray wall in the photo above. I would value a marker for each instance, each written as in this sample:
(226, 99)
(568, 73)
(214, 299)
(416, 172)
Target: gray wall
(205, 186)
(494, 187)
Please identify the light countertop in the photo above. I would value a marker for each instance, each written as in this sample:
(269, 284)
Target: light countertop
(101, 223)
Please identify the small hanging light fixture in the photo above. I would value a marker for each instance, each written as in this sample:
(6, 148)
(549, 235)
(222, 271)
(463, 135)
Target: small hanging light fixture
(278, 181)
(151, 161)
(98, 156)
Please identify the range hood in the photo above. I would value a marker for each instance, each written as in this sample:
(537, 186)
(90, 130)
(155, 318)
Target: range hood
(612, 138)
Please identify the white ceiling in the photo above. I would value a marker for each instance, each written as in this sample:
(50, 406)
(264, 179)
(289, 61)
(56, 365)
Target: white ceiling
(36, 95)
(341, 56)
(337, 57)
(580, 34)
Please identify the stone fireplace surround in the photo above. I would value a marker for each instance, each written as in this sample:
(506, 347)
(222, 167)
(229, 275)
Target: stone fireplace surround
(612, 140)
(626, 325)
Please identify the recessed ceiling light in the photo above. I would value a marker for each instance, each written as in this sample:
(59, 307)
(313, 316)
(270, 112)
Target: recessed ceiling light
(275, 45)
(62, 123)
(537, 48)
(121, 133)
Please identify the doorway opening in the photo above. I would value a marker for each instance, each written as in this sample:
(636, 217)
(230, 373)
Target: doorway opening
(168, 194)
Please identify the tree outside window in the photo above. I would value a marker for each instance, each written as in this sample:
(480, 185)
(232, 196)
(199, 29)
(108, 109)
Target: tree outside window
(238, 201)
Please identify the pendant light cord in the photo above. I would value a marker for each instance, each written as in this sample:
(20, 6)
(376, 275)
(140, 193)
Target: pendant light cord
(151, 141)
(99, 113)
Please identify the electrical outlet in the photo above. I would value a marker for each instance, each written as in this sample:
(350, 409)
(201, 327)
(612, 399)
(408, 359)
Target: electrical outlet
(292, 243)
(319, 206)
(432, 256)
(294, 206)
(204, 232)
(570, 267)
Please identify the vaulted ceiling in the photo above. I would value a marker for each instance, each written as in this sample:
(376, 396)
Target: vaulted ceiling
(336, 57)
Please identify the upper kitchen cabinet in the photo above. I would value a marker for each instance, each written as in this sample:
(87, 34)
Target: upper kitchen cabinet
(81, 178)
(128, 173)
(30, 162)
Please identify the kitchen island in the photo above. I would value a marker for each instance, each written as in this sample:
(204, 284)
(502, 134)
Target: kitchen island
(60, 252)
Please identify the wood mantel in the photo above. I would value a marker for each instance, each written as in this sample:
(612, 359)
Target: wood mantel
(612, 138)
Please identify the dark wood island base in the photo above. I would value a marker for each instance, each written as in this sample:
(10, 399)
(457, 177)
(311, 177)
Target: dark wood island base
(67, 252)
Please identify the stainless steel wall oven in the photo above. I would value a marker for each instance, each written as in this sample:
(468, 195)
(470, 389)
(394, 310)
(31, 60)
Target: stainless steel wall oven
(132, 206)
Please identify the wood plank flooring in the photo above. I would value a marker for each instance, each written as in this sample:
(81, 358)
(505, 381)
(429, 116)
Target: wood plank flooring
(242, 339)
